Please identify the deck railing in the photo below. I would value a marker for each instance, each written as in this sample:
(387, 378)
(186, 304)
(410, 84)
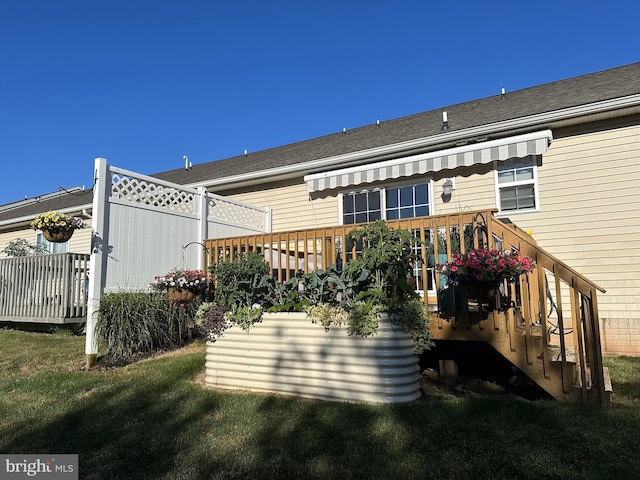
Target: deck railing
(554, 304)
(44, 288)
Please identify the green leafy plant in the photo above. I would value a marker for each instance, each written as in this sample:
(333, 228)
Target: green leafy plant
(282, 297)
(413, 318)
(20, 247)
(326, 314)
(364, 318)
(374, 282)
(240, 281)
(389, 254)
(244, 316)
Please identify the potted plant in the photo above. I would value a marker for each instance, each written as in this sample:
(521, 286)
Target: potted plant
(181, 285)
(480, 271)
(57, 227)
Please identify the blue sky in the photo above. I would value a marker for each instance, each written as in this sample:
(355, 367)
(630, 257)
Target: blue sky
(143, 83)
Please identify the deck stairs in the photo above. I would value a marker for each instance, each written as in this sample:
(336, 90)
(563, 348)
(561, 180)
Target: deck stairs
(545, 324)
(563, 377)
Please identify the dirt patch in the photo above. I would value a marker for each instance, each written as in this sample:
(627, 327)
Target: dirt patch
(109, 362)
(432, 387)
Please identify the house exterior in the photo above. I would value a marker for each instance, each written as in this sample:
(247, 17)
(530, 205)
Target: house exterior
(559, 160)
(15, 219)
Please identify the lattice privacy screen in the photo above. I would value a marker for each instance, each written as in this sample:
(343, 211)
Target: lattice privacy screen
(135, 190)
(220, 209)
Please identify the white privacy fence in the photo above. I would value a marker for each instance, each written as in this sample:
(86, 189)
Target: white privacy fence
(144, 226)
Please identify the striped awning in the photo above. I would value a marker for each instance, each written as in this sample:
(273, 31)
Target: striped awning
(519, 146)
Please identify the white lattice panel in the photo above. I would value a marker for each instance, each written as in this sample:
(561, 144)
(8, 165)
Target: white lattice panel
(126, 187)
(232, 212)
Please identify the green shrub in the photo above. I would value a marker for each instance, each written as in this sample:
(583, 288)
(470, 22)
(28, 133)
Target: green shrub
(136, 322)
(238, 281)
(387, 256)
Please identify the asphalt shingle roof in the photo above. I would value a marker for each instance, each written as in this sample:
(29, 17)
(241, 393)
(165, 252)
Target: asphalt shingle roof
(582, 90)
(600, 86)
(40, 205)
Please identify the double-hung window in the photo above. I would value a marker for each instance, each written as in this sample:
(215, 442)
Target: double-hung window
(517, 186)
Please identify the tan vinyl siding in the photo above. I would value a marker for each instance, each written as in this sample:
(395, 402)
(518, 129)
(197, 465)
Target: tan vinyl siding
(473, 191)
(80, 242)
(291, 208)
(5, 237)
(590, 218)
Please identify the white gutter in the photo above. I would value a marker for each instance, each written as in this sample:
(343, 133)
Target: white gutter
(447, 137)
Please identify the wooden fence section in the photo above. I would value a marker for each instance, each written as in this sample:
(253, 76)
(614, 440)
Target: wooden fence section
(44, 288)
(546, 323)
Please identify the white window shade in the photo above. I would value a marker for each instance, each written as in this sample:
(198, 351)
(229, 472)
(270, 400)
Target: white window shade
(518, 146)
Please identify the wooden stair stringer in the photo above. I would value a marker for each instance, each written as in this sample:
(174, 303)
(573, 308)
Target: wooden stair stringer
(518, 351)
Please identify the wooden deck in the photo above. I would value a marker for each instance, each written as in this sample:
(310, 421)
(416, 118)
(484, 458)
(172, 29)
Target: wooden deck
(546, 324)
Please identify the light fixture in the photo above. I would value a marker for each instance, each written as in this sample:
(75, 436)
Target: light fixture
(447, 187)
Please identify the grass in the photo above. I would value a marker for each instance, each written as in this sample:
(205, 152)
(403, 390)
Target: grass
(155, 420)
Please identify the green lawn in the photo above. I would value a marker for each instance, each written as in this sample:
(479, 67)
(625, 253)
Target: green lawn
(155, 420)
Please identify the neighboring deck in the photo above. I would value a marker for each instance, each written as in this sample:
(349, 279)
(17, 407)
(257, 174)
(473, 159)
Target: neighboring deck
(44, 289)
(546, 324)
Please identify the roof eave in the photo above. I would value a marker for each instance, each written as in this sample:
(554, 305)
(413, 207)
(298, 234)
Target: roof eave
(569, 116)
(27, 219)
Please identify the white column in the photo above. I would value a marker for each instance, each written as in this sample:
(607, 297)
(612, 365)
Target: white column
(99, 242)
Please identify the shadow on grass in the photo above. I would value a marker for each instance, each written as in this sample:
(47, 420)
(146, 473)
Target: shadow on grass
(151, 421)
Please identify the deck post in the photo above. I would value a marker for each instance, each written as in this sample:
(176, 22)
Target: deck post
(448, 371)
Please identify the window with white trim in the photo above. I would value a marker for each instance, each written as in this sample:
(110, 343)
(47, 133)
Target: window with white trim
(517, 186)
(407, 202)
(390, 203)
(51, 247)
(361, 207)
(387, 203)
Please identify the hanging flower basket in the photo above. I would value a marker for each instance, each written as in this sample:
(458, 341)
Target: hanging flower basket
(57, 237)
(180, 295)
(57, 227)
